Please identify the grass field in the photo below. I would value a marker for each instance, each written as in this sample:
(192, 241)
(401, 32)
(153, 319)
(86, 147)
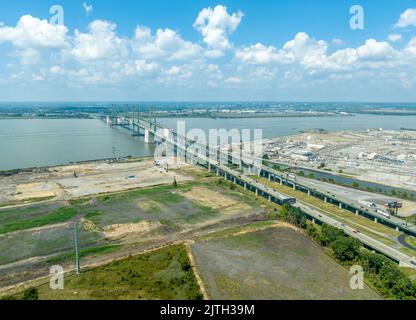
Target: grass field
(388, 232)
(162, 274)
(24, 223)
(164, 203)
(377, 231)
(45, 242)
(275, 263)
(411, 240)
(109, 222)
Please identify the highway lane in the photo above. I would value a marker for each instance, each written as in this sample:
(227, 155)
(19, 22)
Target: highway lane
(403, 259)
(338, 194)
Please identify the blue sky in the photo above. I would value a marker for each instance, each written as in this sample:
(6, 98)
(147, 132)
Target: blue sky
(200, 50)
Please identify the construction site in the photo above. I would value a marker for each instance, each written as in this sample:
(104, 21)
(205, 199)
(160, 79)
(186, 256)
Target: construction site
(379, 156)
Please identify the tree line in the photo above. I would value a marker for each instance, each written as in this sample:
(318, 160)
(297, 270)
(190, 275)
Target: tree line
(384, 274)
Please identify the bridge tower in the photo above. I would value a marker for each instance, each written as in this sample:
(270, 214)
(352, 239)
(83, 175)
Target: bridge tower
(113, 115)
(138, 121)
(149, 133)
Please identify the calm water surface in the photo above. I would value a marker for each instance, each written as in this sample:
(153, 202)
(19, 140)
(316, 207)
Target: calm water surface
(31, 143)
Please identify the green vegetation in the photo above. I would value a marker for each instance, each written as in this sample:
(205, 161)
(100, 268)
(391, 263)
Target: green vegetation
(234, 230)
(277, 263)
(31, 294)
(31, 200)
(411, 240)
(356, 185)
(58, 216)
(101, 250)
(360, 223)
(162, 274)
(385, 275)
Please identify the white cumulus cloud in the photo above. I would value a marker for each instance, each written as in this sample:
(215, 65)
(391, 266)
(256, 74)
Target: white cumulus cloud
(407, 19)
(166, 44)
(394, 37)
(216, 25)
(31, 32)
(101, 42)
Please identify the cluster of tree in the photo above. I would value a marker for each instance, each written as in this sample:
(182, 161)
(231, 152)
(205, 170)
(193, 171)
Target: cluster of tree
(294, 216)
(29, 294)
(384, 274)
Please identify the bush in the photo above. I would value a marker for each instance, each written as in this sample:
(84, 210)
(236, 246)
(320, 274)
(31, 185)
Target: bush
(31, 294)
(346, 249)
(330, 234)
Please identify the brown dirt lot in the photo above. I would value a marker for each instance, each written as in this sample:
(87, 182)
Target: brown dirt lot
(272, 264)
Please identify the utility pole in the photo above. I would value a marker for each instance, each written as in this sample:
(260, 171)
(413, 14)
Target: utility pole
(154, 114)
(76, 249)
(113, 115)
(138, 120)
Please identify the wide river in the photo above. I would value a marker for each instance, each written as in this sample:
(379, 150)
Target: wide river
(32, 143)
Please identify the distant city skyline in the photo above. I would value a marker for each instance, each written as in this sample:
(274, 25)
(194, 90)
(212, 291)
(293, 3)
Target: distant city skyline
(202, 51)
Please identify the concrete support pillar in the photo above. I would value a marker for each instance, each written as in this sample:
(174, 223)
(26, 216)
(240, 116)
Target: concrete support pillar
(245, 186)
(340, 205)
(294, 187)
(257, 192)
(309, 193)
(281, 181)
(218, 172)
(326, 200)
(235, 180)
(148, 137)
(375, 220)
(357, 212)
(209, 167)
(270, 198)
(313, 220)
(270, 177)
(166, 133)
(397, 229)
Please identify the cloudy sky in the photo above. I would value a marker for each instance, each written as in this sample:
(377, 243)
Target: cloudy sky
(200, 50)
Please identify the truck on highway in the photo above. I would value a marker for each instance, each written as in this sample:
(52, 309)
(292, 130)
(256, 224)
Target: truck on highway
(385, 214)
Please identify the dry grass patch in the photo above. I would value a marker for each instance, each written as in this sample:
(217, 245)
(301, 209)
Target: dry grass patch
(119, 230)
(215, 200)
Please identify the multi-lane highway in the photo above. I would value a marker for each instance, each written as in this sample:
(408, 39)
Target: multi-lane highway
(280, 198)
(346, 198)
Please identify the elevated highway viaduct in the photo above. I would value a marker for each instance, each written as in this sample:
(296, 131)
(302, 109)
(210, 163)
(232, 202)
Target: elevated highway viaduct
(154, 131)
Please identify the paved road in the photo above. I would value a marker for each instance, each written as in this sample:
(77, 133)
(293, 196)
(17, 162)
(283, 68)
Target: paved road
(403, 259)
(403, 242)
(346, 195)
